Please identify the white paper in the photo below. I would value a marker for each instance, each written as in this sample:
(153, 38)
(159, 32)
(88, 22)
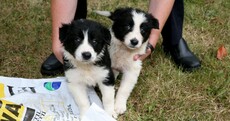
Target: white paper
(48, 98)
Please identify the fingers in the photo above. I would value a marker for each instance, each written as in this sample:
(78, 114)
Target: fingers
(148, 52)
(136, 57)
(142, 57)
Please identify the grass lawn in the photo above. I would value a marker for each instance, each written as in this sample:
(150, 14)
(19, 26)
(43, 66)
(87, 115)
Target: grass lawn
(163, 91)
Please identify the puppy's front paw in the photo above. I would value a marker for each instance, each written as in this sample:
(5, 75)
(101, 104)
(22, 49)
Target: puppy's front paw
(120, 108)
(114, 115)
(81, 116)
(83, 112)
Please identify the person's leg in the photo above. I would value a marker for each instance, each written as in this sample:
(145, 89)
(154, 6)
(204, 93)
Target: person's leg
(81, 11)
(51, 66)
(172, 30)
(173, 42)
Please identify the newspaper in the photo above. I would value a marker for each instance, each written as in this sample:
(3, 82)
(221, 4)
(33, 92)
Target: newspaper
(44, 100)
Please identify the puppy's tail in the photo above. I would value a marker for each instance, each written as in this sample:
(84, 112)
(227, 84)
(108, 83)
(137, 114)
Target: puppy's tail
(103, 13)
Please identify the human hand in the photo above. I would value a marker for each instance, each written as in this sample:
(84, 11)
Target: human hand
(141, 57)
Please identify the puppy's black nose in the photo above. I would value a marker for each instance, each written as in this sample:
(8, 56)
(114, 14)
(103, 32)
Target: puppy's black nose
(134, 42)
(86, 55)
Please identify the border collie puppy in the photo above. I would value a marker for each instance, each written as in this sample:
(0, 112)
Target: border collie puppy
(87, 62)
(130, 32)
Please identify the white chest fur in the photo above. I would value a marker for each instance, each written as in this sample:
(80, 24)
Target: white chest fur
(122, 57)
(89, 74)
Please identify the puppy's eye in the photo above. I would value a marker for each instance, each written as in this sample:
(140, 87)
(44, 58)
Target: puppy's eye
(78, 39)
(94, 42)
(127, 27)
(142, 30)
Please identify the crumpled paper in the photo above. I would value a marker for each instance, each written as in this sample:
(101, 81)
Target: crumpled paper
(44, 100)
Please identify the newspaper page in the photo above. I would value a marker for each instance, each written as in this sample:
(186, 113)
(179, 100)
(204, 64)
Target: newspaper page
(42, 100)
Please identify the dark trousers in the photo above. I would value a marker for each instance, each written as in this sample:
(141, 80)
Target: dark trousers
(172, 31)
(81, 11)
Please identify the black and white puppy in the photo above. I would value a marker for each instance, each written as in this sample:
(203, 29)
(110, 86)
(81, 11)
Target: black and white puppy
(87, 62)
(130, 33)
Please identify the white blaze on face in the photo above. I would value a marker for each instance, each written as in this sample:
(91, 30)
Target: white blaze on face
(85, 47)
(138, 19)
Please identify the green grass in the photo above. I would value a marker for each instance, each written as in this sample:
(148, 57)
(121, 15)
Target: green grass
(163, 91)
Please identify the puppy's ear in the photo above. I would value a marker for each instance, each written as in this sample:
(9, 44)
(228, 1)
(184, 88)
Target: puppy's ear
(155, 23)
(63, 31)
(107, 36)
